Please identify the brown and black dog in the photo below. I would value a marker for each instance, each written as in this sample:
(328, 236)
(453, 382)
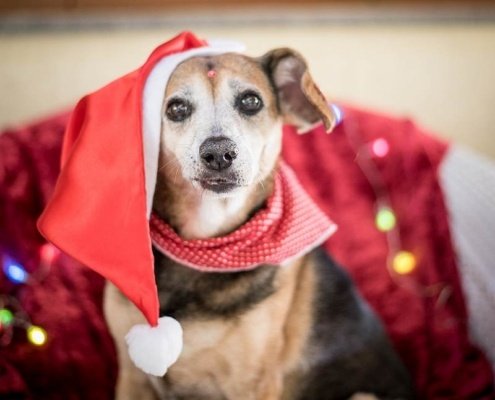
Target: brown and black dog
(297, 332)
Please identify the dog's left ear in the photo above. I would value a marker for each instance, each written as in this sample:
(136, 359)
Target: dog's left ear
(300, 101)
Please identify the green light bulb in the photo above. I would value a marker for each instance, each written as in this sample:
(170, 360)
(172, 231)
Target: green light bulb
(385, 219)
(6, 317)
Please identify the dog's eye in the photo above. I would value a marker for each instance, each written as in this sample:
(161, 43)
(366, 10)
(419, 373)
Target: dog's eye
(178, 110)
(249, 103)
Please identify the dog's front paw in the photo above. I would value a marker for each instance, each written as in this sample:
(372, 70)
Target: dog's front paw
(363, 396)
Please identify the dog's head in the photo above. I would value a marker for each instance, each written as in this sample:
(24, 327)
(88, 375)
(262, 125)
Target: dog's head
(222, 117)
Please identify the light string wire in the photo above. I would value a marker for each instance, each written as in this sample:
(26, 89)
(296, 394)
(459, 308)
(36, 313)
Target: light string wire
(400, 262)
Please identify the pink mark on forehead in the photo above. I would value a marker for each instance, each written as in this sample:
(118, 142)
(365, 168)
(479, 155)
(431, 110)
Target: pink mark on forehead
(211, 73)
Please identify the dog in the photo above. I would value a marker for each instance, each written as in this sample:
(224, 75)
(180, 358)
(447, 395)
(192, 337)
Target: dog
(297, 332)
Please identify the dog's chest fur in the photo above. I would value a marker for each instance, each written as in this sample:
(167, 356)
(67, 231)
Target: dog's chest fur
(233, 348)
(290, 332)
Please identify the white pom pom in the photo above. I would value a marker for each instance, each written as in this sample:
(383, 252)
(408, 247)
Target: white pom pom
(154, 349)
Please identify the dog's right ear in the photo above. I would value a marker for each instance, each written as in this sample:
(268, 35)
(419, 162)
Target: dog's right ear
(300, 101)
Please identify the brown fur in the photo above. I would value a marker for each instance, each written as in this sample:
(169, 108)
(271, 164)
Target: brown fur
(246, 357)
(253, 356)
(226, 66)
(310, 106)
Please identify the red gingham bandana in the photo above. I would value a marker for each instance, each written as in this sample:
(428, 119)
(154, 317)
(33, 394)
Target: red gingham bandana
(289, 226)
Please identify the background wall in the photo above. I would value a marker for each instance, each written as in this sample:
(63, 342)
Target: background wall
(441, 74)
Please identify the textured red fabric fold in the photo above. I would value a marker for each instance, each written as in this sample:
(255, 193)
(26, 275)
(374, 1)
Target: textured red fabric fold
(428, 327)
(79, 359)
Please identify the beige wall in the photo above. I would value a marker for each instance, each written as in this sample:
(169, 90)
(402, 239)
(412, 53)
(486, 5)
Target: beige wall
(444, 76)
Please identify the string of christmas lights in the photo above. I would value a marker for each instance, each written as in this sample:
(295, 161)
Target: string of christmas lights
(401, 262)
(12, 315)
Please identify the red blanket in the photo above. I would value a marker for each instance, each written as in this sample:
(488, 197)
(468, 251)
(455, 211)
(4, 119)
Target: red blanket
(428, 328)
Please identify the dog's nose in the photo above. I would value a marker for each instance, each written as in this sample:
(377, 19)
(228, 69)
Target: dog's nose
(217, 153)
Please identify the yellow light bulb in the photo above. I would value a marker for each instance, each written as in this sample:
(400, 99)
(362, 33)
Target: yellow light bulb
(36, 335)
(385, 219)
(404, 262)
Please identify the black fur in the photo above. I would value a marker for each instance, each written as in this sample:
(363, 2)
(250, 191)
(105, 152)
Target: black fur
(348, 350)
(354, 353)
(184, 292)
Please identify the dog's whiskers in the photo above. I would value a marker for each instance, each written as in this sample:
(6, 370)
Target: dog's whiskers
(161, 167)
(166, 164)
(261, 183)
(176, 174)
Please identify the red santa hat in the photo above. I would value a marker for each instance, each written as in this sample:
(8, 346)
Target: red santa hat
(102, 201)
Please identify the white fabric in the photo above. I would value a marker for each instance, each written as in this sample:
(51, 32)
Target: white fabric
(155, 349)
(154, 92)
(468, 183)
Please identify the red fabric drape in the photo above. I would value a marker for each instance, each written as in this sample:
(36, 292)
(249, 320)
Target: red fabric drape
(79, 360)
